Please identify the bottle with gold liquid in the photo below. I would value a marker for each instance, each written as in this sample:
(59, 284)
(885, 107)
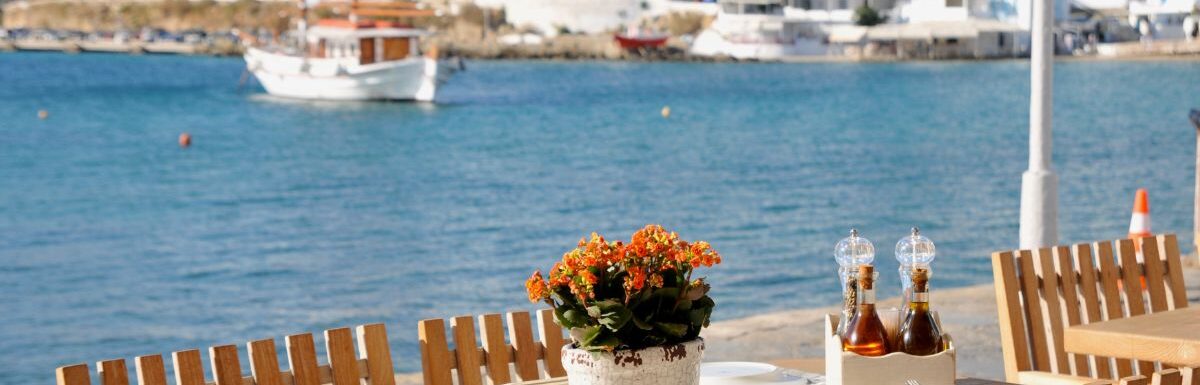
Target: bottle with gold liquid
(919, 334)
(865, 334)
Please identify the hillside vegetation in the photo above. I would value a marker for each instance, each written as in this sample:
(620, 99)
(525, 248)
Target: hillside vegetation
(168, 14)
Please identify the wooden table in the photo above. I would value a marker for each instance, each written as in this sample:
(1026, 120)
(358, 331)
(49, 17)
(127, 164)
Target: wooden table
(1172, 337)
(961, 381)
(807, 365)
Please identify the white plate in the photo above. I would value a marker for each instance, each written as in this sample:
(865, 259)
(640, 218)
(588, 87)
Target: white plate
(746, 373)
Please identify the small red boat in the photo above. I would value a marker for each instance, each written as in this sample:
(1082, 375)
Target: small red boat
(635, 39)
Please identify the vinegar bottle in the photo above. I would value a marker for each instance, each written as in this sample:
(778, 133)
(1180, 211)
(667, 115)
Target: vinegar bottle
(865, 334)
(920, 334)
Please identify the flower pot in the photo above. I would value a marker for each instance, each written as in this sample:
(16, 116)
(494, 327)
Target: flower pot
(677, 364)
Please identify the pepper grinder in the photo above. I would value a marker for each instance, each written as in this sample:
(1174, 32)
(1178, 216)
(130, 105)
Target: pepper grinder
(850, 253)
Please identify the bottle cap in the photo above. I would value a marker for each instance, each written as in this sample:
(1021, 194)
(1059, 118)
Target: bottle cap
(866, 270)
(920, 275)
(866, 276)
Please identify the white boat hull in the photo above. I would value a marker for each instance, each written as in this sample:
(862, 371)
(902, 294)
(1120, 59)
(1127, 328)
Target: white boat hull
(712, 43)
(333, 79)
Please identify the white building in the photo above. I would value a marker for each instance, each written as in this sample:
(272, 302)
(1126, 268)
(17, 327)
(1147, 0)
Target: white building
(588, 16)
(1165, 19)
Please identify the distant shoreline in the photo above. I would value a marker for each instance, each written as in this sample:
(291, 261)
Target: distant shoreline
(7, 49)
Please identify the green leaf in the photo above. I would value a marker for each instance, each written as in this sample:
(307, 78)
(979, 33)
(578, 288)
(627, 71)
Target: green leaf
(672, 329)
(587, 335)
(570, 318)
(637, 322)
(610, 313)
(699, 317)
(667, 292)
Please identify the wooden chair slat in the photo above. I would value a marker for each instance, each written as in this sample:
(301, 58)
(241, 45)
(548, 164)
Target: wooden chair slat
(498, 355)
(552, 343)
(1109, 275)
(1134, 380)
(1191, 376)
(1155, 282)
(1131, 275)
(1033, 307)
(1070, 290)
(1167, 377)
(1131, 278)
(1050, 294)
(343, 365)
(264, 362)
(77, 374)
(189, 370)
(113, 372)
(1088, 279)
(302, 359)
(151, 370)
(1169, 246)
(226, 368)
(373, 346)
(525, 352)
(1014, 342)
(466, 351)
(435, 354)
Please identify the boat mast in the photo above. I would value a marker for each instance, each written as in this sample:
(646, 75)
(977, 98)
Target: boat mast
(302, 26)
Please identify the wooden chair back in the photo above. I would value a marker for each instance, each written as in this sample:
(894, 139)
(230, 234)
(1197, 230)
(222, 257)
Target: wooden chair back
(441, 363)
(343, 367)
(1041, 292)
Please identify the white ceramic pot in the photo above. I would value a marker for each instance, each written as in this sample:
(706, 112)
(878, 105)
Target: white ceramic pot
(660, 365)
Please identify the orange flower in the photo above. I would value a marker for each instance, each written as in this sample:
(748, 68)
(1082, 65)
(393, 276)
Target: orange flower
(536, 287)
(636, 279)
(651, 251)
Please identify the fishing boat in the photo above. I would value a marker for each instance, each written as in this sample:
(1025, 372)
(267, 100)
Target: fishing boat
(634, 39)
(352, 60)
(758, 30)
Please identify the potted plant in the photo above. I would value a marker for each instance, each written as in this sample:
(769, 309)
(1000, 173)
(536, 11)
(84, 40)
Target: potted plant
(633, 309)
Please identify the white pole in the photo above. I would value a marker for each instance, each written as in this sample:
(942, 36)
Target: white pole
(1194, 116)
(1039, 185)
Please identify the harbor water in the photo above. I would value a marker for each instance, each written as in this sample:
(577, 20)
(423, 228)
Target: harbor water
(286, 216)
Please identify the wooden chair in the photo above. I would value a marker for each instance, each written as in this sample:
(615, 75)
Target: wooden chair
(1041, 292)
(375, 366)
(438, 360)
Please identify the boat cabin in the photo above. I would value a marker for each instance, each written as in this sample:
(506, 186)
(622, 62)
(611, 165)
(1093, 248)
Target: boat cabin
(367, 41)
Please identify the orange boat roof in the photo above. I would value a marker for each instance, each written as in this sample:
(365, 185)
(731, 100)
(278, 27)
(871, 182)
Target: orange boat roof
(361, 24)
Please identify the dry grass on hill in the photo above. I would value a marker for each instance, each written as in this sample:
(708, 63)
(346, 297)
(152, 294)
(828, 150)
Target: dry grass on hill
(169, 14)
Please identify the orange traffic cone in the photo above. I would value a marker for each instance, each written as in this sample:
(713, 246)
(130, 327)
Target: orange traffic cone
(1139, 224)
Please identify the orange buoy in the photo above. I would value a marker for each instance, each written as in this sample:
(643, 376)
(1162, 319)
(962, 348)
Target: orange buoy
(666, 111)
(185, 140)
(43, 114)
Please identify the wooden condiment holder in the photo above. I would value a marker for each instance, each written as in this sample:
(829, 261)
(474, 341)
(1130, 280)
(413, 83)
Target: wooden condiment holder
(846, 368)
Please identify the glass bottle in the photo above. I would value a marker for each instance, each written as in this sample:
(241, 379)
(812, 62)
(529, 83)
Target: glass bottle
(912, 251)
(865, 334)
(850, 253)
(920, 334)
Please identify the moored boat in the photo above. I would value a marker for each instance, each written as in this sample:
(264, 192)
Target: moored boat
(634, 39)
(350, 60)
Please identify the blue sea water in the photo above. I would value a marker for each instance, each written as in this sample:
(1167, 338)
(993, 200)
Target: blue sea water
(287, 217)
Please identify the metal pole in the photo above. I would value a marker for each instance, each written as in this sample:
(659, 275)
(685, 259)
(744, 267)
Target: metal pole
(1194, 116)
(1039, 184)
